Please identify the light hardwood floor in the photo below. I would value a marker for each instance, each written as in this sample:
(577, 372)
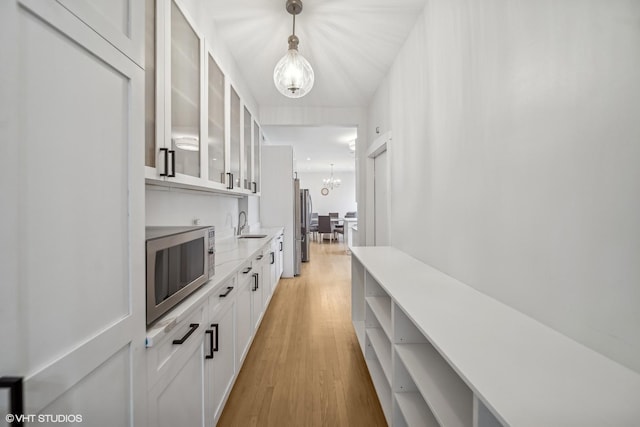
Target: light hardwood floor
(305, 367)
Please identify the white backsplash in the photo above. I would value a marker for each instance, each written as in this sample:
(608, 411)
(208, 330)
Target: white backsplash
(171, 206)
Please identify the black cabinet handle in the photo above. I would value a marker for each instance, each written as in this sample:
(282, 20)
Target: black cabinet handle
(166, 161)
(215, 347)
(193, 327)
(210, 333)
(255, 187)
(280, 246)
(173, 163)
(229, 289)
(259, 257)
(16, 404)
(247, 270)
(273, 258)
(230, 184)
(255, 282)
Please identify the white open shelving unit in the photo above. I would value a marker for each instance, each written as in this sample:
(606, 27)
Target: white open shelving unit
(441, 353)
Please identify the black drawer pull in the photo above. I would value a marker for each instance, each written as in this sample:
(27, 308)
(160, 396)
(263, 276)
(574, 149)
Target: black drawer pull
(247, 270)
(273, 257)
(259, 257)
(193, 327)
(16, 405)
(229, 289)
(255, 282)
(280, 246)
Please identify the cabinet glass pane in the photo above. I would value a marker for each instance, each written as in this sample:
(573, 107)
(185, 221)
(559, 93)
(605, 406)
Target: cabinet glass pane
(235, 138)
(185, 94)
(150, 84)
(257, 139)
(247, 150)
(216, 122)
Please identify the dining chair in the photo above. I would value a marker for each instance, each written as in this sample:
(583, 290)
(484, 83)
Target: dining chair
(337, 228)
(325, 227)
(350, 215)
(313, 227)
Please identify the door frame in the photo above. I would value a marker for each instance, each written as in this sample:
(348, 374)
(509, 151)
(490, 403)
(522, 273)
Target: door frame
(378, 146)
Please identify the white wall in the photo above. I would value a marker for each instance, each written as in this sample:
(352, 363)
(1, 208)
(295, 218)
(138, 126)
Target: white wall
(341, 200)
(515, 158)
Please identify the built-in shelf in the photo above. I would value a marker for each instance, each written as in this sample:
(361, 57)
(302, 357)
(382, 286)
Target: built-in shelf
(382, 348)
(470, 360)
(414, 411)
(449, 398)
(381, 308)
(382, 387)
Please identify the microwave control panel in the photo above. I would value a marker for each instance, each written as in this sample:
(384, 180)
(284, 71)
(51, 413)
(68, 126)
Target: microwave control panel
(212, 251)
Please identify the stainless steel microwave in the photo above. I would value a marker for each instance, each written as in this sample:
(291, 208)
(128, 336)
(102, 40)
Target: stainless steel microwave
(179, 261)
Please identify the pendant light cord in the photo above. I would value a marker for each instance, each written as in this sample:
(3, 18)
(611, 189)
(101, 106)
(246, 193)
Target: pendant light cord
(294, 24)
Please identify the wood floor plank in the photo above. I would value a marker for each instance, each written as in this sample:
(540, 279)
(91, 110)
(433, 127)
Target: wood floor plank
(305, 366)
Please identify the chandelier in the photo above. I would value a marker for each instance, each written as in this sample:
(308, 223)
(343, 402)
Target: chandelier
(293, 75)
(331, 182)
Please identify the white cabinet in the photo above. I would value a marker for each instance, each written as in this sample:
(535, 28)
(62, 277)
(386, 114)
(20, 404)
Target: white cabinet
(72, 322)
(257, 299)
(244, 328)
(442, 353)
(216, 123)
(194, 357)
(177, 105)
(177, 374)
(280, 257)
(195, 119)
(220, 348)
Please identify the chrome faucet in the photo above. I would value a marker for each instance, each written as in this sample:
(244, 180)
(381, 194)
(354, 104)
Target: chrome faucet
(241, 227)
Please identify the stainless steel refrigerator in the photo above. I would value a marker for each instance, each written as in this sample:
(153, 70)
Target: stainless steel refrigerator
(297, 228)
(306, 207)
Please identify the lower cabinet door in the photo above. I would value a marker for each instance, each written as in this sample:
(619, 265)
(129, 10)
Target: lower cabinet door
(221, 367)
(243, 320)
(257, 303)
(178, 399)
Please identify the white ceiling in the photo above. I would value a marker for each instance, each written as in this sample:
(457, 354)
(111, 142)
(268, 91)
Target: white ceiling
(350, 44)
(316, 147)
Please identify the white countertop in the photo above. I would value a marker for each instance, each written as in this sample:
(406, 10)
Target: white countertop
(231, 253)
(526, 372)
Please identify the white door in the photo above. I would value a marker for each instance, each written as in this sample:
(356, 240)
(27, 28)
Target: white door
(381, 199)
(72, 240)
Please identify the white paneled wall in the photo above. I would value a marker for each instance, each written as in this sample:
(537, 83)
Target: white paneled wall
(341, 200)
(514, 160)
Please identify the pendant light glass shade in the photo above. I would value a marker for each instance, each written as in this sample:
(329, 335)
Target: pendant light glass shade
(293, 75)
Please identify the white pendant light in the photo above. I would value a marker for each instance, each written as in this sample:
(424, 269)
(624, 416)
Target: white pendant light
(293, 75)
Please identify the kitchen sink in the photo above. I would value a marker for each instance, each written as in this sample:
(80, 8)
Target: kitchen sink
(252, 236)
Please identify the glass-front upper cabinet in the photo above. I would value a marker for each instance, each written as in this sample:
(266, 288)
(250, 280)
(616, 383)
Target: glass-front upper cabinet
(185, 95)
(215, 126)
(248, 173)
(257, 156)
(234, 165)
(150, 84)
